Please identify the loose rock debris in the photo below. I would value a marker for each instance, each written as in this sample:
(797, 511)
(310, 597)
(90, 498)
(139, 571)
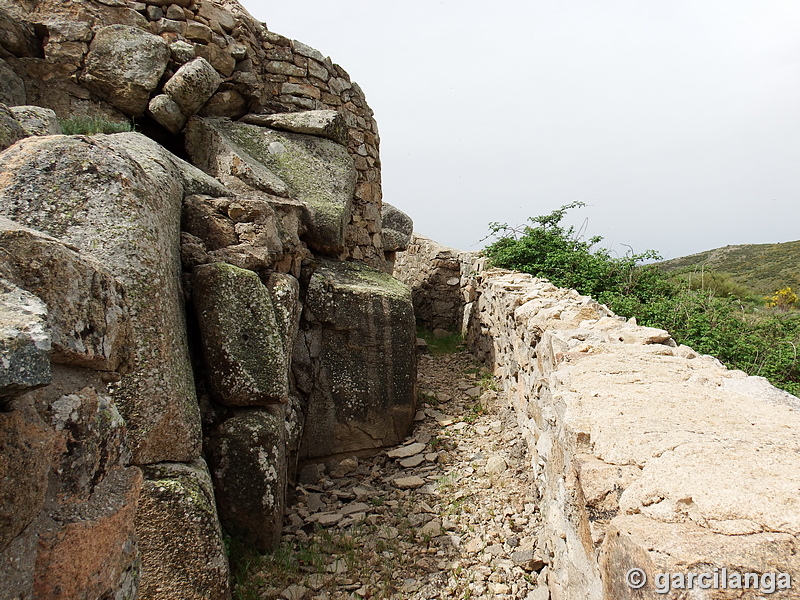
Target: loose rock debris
(449, 514)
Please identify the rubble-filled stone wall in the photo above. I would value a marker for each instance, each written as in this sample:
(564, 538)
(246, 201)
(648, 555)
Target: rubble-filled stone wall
(126, 59)
(648, 456)
(433, 272)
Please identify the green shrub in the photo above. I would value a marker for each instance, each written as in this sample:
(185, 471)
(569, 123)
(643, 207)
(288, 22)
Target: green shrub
(91, 125)
(704, 310)
(546, 249)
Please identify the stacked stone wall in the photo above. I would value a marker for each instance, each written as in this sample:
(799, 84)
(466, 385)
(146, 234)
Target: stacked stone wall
(433, 272)
(50, 55)
(647, 455)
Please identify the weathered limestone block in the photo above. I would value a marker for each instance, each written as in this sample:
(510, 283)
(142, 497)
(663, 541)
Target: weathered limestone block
(181, 52)
(88, 312)
(183, 553)
(207, 219)
(254, 231)
(356, 360)
(10, 129)
(225, 103)
(314, 170)
(57, 29)
(124, 66)
(323, 123)
(12, 88)
(84, 544)
(215, 152)
(219, 58)
(36, 120)
(25, 341)
(192, 85)
(396, 228)
(213, 12)
(248, 460)
(118, 200)
(635, 541)
(100, 534)
(284, 290)
(245, 358)
(184, 93)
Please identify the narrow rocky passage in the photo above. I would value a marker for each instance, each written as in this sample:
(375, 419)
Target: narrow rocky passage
(449, 514)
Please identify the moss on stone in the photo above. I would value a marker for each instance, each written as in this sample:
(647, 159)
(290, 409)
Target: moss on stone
(358, 276)
(315, 170)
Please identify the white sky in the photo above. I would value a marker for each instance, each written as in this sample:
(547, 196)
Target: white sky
(677, 122)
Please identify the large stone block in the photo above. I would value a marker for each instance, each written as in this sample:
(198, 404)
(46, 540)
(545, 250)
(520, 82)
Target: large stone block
(315, 170)
(36, 120)
(25, 341)
(396, 228)
(183, 553)
(285, 293)
(76, 461)
(26, 444)
(88, 313)
(124, 66)
(118, 200)
(323, 123)
(12, 88)
(248, 460)
(192, 85)
(255, 231)
(88, 550)
(244, 349)
(91, 442)
(356, 360)
(10, 129)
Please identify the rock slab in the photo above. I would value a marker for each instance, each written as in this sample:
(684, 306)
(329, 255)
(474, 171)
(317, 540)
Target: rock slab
(25, 341)
(356, 360)
(243, 345)
(117, 199)
(248, 460)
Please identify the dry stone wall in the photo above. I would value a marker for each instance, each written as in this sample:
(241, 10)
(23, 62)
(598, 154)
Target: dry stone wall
(647, 455)
(162, 62)
(433, 272)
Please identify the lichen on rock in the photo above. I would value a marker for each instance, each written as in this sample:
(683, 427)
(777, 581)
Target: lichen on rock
(244, 350)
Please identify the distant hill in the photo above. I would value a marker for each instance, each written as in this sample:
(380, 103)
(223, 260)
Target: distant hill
(764, 268)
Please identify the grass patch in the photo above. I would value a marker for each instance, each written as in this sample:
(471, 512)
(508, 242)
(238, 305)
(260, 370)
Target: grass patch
(93, 125)
(475, 411)
(488, 382)
(448, 344)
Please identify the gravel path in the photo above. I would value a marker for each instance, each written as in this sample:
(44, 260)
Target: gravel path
(449, 514)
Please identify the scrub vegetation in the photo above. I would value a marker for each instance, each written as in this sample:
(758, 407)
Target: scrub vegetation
(92, 125)
(708, 310)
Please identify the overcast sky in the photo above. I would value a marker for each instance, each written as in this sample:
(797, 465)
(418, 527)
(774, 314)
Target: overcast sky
(677, 122)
